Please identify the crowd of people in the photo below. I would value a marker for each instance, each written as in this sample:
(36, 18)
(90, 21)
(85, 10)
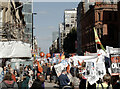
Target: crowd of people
(29, 77)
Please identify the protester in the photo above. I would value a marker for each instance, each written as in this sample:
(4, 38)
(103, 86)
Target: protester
(16, 73)
(31, 75)
(8, 82)
(45, 67)
(75, 82)
(39, 82)
(13, 76)
(54, 75)
(21, 69)
(9, 68)
(82, 84)
(34, 70)
(48, 72)
(106, 83)
(5, 70)
(25, 82)
(63, 79)
(117, 84)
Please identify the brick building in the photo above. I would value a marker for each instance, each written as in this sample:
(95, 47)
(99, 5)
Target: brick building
(119, 20)
(102, 16)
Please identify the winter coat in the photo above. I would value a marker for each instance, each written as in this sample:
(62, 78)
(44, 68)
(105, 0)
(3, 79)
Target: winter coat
(8, 85)
(37, 84)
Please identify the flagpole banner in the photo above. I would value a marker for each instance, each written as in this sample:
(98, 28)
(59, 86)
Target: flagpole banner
(97, 40)
(115, 64)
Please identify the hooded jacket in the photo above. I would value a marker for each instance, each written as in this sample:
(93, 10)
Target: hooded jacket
(8, 84)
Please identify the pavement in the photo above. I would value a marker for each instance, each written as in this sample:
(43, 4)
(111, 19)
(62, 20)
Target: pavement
(51, 85)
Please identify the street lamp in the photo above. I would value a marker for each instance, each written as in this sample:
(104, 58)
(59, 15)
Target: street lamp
(32, 28)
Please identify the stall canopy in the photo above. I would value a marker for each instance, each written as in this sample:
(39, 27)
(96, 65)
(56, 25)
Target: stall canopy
(15, 49)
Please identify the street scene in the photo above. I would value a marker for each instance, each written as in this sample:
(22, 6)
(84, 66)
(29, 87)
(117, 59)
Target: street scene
(51, 44)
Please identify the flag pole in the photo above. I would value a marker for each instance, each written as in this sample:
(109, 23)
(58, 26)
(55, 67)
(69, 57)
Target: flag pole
(96, 47)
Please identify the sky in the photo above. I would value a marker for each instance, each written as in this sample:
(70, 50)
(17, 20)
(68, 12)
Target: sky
(49, 16)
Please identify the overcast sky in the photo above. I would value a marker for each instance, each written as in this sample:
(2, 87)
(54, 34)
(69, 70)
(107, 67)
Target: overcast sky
(49, 15)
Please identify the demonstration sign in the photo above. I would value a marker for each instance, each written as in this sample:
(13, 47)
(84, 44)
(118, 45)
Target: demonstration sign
(115, 64)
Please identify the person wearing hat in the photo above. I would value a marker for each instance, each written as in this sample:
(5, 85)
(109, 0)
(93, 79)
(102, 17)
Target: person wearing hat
(63, 79)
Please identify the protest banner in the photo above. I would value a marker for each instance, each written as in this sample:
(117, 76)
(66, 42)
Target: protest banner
(59, 68)
(115, 64)
(94, 67)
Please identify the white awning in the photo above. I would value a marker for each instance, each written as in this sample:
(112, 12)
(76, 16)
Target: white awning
(15, 49)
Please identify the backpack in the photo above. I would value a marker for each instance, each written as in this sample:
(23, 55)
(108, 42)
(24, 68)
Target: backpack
(9, 87)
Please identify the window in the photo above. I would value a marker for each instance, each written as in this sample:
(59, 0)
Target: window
(115, 16)
(67, 25)
(100, 32)
(28, 18)
(72, 15)
(110, 16)
(72, 21)
(99, 17)
(27, 8)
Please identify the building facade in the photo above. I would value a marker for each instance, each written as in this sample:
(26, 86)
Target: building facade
(54, 47)
(102, 16)
(119, 20)
(16, 21)
(27, 11)
(70, 19)
(61, 36)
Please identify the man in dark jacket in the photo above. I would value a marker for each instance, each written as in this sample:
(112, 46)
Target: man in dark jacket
(63, 79)
(45, 67)
(38, 83)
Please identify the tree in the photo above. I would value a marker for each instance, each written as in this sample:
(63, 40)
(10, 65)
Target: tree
(69, 41)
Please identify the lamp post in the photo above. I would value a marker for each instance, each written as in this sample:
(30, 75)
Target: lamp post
(32, 28)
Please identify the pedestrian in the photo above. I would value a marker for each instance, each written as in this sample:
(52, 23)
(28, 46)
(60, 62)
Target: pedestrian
(63, 80)
(8, 82)
(44, 69)
(106, 83)
(75, 82)
(54, 74)
(117, 84)
(5, 70)
(25, 82)
(31, 75)
(39, 82)
(48, 72)
(9, 68)
(13, 76)
(82, 84)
